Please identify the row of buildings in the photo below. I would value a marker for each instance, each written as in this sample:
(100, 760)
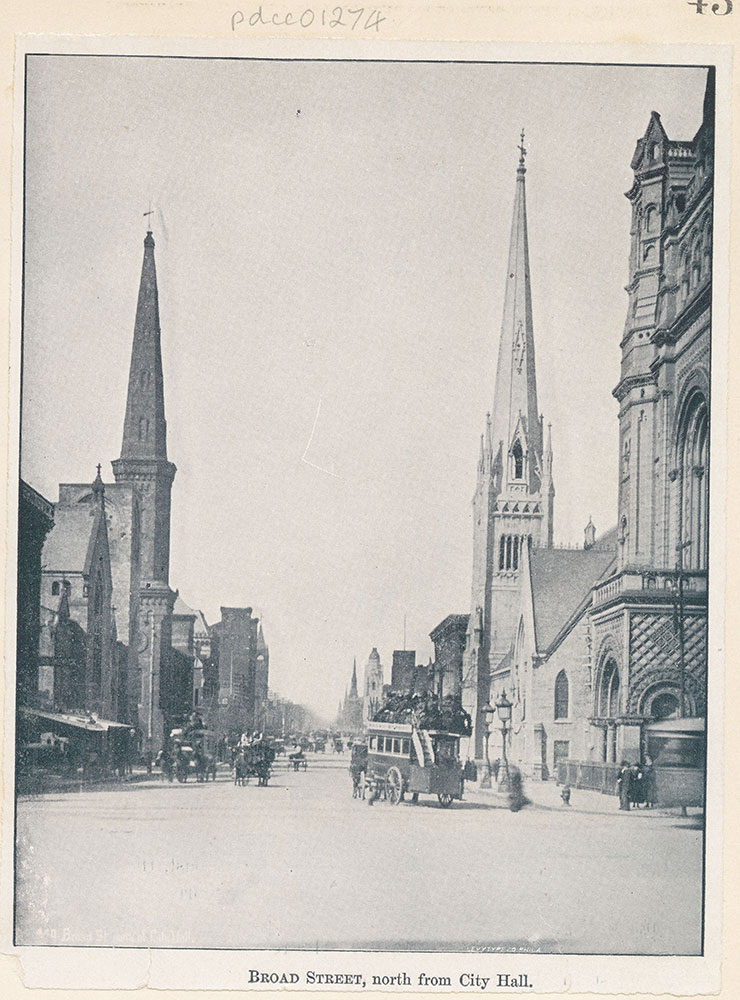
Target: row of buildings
(439, 677)
(101, 633)
(601, 648)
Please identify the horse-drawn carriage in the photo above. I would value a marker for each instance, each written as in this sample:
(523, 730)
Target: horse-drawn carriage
(297, 760)
(189, 753)
(405, 759)
(254, 760)
(358, 768)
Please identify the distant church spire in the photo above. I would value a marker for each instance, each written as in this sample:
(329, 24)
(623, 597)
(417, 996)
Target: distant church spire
(515, 412)
(145, 428)
(353, 685)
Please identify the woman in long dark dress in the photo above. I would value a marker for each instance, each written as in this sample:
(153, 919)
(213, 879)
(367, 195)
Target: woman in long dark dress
(624, 782)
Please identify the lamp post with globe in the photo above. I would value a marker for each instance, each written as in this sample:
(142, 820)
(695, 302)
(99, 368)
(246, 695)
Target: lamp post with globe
(488, 712)
(503, 707)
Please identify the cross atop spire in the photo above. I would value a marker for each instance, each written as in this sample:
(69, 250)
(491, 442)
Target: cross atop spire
(522, 150)
(515, 419)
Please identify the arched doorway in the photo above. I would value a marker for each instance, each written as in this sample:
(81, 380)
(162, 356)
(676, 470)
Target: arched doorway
(608, 707)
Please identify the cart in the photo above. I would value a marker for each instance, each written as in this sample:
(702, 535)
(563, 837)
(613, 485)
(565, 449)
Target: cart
(405, 759)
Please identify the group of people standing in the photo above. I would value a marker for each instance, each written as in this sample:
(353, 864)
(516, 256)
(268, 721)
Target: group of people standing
(636, 785)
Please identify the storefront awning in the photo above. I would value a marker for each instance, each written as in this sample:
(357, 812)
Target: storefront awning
(91, 724)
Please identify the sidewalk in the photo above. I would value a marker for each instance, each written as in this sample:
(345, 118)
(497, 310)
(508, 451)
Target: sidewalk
(45, 784)
(546, 795)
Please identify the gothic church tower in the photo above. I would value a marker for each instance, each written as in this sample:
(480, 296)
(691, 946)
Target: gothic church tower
(514, 494)
(143, 465)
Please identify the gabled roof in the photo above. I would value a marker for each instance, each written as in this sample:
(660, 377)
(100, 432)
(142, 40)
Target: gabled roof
(182, 609)
(201, 625)
(562, 580)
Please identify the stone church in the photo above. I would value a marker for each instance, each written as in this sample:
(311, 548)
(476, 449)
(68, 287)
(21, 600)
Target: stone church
(134, 540)
(602, 650)
(514, 496)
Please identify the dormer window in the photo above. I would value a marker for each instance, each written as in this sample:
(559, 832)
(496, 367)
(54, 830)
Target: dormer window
(654, 151)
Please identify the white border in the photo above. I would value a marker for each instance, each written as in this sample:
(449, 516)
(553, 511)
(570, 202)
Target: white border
(79, 968)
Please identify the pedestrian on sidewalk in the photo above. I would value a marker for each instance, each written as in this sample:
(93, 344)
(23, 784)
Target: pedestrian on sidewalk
(624, 782)
(495, 768)
(649, 784)
(565, 795)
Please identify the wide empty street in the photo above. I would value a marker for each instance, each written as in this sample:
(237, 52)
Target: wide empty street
(302, 865)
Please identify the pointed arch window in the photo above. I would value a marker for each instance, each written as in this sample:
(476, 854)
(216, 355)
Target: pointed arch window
(517, 459)
(608, 703)
(561, 696)
(692, 446)
(510, 548)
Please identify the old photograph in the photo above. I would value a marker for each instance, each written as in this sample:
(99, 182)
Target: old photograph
(363, 505)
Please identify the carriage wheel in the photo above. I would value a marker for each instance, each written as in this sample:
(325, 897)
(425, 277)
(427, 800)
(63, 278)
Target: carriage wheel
(393, 786)
(445, 799)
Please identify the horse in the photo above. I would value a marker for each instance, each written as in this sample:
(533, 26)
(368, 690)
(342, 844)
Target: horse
(241, 770)
(357, 771)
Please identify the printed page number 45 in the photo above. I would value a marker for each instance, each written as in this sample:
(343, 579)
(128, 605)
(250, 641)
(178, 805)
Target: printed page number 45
(717, 8)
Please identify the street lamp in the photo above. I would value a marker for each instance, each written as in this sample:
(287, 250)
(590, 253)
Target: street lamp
(488, 712)
(503, 706)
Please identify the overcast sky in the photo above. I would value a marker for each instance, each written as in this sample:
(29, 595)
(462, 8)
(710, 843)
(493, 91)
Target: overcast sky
(331, 241)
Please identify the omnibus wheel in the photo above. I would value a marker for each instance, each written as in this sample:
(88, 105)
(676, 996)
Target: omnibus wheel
(445, 799)
(394, 786)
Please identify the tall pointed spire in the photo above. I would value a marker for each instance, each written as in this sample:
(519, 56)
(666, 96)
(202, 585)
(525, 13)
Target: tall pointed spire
(145, 428)
(353, 685)
(144, 450)
(515, 412)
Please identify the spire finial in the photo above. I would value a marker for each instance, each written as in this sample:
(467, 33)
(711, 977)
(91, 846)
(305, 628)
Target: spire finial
(97, 486)
(522, 150)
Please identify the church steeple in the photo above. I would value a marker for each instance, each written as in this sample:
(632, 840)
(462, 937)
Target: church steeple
(145, 428)
(514, 496)
(515, 423)
(353, 685)
(143, 463)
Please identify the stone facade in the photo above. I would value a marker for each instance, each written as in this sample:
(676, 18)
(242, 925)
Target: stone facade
(547, 673)
(76, 587)
(403, 670)
(513, 504)
(373, 686)
(235, 648)
(650, 619)
(144, 468)
(35, 521)
(449, 650)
